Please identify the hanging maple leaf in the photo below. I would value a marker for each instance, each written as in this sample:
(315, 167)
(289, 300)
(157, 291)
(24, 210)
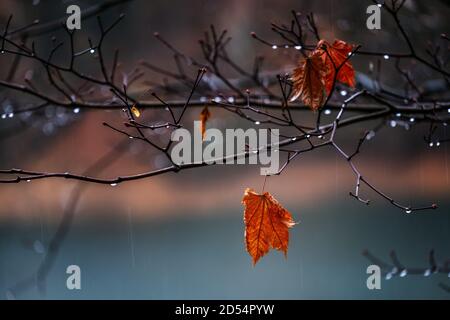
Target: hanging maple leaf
(266, 224)
(309, 81)
(334, 56)
(204, 116)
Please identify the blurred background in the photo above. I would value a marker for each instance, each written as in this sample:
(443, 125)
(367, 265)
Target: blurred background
(181, 236)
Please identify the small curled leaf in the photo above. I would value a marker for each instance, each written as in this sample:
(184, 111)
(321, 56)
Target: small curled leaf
(136, 112)
(204, 116)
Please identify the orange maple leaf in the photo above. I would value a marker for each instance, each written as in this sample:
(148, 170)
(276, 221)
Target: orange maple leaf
(309, 81)
(337, 53)
(266, 224)
(204, 116)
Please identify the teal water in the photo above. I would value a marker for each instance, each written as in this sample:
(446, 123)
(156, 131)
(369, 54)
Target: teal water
(203, 257)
